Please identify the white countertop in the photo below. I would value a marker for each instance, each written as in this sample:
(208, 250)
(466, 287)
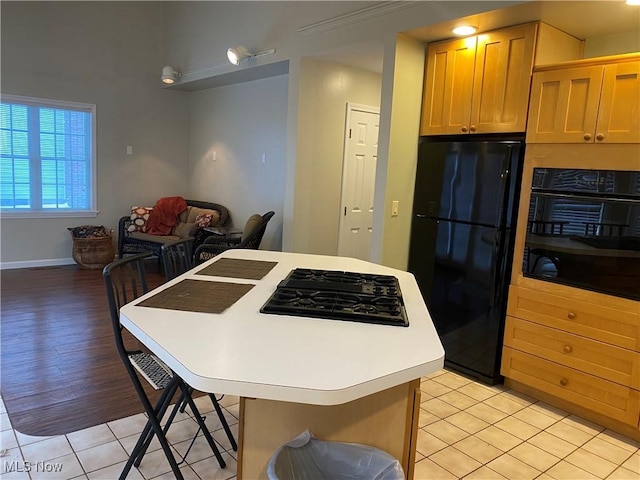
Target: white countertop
(288, 358)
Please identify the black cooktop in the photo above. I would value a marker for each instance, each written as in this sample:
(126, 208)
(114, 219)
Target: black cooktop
(336, 295)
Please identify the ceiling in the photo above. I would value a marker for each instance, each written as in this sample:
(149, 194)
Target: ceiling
(582, 19)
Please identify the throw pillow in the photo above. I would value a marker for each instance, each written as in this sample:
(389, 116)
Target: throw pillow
(252, 222)
(185, 230)
(194, 212)
(139, 217)
(204, 219)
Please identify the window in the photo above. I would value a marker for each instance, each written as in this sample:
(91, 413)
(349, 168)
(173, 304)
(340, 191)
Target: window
(47, 157)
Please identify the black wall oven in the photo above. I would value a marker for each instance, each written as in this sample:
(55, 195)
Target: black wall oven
(584, 230)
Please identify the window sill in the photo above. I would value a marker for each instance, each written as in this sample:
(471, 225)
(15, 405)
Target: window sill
(54, 214)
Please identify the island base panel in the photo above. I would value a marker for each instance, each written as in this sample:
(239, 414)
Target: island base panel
(387, 420)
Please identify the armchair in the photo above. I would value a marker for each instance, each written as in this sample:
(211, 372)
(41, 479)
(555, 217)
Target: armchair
(251, 238)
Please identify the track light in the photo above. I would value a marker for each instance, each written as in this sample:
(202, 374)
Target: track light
(237, 54)
(169, 75)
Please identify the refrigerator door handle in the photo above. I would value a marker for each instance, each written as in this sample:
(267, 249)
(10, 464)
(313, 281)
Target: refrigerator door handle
(505, 175)
(498, 268)
(494, 271)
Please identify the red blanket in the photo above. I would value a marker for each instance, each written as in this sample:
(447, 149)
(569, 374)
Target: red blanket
(164, 215)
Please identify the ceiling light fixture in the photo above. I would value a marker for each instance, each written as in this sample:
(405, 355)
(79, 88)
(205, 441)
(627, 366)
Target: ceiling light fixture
(237, 54)
(633, 2)
(169, 75)
(463, 30)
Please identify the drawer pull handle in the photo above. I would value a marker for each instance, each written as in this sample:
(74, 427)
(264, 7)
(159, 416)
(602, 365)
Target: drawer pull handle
(564, 382)
(571, 315)
(567, 349)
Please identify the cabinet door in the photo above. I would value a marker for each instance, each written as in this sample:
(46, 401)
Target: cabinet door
(619, 113)
(564, 105)
(616, 364)
(593, 393)
(446, 104)
(577, 316)
(504, 60)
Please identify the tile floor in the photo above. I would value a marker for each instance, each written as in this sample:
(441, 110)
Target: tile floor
(467, 430)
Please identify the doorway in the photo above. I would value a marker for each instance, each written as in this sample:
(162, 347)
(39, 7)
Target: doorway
(358, 181)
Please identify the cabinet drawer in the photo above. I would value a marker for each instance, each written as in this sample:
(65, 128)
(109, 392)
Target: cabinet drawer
(605, 324)
(600, 359)
(596, 394)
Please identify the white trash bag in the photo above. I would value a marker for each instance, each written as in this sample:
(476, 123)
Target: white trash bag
(305, 458)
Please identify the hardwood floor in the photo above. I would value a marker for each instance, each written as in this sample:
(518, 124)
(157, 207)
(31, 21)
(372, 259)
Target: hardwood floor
(60, 370)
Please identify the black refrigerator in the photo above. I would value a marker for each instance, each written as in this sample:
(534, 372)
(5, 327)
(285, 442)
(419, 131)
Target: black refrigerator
(461, 250)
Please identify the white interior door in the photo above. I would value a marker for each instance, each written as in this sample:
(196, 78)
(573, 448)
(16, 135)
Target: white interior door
(358, 181)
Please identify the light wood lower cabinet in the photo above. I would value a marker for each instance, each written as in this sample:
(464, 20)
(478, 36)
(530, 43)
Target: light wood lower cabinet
(591, 320)
(600, 359)
(577, 349)
(597, 394)
(387, 420)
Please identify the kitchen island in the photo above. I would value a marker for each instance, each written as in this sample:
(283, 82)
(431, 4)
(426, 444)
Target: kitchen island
(343, 380)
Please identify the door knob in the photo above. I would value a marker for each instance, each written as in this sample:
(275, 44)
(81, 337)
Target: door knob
(473, 128)
(600, 137)
(464, 129)
(587, 136)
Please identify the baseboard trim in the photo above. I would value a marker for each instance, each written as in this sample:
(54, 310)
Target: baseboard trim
(48, 262)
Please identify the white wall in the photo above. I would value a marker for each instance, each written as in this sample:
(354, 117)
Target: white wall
(198, 33)
(612, 44)
(109, 54)
(324, 90)
(241, 123)
(399, 127)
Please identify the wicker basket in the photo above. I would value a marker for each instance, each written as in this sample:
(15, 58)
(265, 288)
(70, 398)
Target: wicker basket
(93, 253)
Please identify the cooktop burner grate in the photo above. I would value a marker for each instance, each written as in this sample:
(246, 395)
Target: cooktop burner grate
(350, 296)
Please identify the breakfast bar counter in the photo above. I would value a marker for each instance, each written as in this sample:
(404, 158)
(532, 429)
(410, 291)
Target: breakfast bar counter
(343, 380)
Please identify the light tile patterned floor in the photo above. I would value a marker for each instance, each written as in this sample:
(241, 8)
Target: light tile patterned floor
(467, 430)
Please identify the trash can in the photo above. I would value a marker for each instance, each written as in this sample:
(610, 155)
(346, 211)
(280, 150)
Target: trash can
(306, 457)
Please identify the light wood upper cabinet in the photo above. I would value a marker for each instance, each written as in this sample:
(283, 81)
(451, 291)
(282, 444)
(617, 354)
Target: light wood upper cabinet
(619, 112)
(448, 87)
(597, 103)
(504, 60)
(481, 84)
